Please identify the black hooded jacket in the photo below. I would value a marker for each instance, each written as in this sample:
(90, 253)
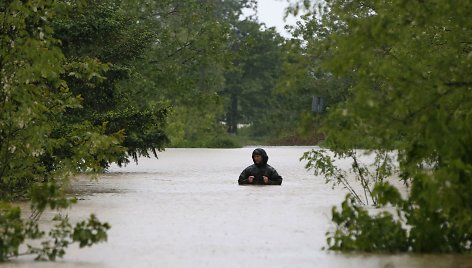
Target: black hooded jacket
(260, 170)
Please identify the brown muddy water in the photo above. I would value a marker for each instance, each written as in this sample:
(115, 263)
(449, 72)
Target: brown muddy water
(186, 209)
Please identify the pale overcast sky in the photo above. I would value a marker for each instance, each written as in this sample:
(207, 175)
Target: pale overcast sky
(271, 12)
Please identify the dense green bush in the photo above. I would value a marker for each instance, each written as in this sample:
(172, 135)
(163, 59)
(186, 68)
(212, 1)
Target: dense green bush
(411, 94)
(34, 101)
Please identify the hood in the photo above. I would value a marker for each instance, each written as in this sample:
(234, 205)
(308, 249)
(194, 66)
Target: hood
(260, 151)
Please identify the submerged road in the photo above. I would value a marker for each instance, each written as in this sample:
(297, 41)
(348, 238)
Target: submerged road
(186, 209)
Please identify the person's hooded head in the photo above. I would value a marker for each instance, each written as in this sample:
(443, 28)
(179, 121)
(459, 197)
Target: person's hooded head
(264, 157)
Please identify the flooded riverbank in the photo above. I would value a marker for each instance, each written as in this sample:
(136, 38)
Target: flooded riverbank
(186, 209)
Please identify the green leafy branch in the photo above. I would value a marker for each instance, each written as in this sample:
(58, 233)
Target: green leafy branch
(14, 231)
(322, 162)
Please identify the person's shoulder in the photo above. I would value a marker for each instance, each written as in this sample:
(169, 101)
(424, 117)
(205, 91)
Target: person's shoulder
(250, 167)
(270, 167)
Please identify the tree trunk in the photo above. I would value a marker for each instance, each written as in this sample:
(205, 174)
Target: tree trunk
(233, 115)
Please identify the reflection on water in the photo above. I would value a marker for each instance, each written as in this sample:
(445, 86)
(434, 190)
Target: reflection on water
(187, 210)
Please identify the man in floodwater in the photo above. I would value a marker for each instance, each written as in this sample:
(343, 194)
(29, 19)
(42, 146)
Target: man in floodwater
(260, 172)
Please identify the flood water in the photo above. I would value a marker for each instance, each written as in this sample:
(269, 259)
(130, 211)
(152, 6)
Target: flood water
(186, 209)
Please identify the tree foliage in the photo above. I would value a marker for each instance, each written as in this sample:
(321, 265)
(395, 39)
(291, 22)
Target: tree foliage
(34, 102)
(250, 79)
(184, 68)
(106, 34)
(410, 64)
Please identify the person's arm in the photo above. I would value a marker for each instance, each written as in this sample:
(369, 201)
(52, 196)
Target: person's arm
(274, 178)
(243, 178)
